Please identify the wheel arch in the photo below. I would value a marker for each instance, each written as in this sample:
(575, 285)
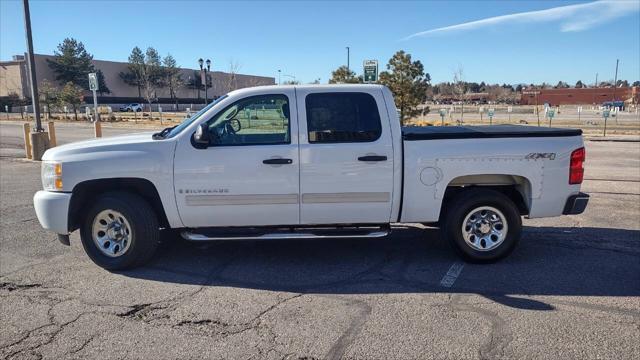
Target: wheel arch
(517, 188)
(84, 194)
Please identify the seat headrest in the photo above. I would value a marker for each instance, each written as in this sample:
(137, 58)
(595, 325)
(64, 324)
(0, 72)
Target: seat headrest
(285, 110)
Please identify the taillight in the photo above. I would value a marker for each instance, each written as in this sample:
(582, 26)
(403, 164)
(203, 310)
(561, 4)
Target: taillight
(576, 167)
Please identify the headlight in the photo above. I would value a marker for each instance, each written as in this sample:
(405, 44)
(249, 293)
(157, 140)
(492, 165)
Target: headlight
(51, 176)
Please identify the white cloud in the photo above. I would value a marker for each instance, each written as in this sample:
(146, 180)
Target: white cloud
(571, 17)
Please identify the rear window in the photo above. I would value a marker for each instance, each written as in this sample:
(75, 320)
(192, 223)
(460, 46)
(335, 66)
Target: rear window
(342, 117)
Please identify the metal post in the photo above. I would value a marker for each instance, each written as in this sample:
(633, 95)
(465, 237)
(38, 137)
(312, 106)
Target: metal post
(206, 85)
(35, 101)
(537, 110)
(348, 67)
(279, 72)
(95, 106)
(615, 82)
(594, 93)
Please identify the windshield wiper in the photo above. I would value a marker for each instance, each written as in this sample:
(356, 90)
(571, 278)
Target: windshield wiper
(162, 134)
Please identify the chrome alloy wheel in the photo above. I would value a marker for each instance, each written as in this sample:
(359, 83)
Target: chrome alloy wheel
(484, 228)
(111, 233)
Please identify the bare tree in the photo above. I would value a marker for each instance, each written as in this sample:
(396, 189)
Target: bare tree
(232, 81)
(459, 88)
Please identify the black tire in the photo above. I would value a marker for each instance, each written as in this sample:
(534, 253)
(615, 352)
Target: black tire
(144, 233)
(464, 204)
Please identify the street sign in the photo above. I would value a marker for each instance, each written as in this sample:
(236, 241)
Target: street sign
(605, 113)
(93, 81)
(481, 109)
(551, 113)
(370, 71)
(93, 86)
(491, 112)
(579, 109)
(510, 109)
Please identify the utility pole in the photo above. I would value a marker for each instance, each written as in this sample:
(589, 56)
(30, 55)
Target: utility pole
(615, 83)
(348, 67)
(614, 97)
(594, 93)
(35, 101)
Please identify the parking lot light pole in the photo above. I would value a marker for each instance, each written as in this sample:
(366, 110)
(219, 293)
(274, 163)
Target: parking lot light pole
(35, 101)
(205, 70)
(348, 65)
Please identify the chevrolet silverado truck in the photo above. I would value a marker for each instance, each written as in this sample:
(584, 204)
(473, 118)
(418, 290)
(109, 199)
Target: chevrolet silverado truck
(299, 162)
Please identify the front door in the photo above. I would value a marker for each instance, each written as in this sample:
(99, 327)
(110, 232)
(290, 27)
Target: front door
(249, 175)
(346, 157)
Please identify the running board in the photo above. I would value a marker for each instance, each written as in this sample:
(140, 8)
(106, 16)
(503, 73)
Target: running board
(192, 236)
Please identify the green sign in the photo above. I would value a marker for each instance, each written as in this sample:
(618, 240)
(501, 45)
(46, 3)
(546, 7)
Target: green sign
(551, 113)
(491, 112)
(605, 113)
(370, 71)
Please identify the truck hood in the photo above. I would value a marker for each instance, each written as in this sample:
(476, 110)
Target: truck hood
(108, 144)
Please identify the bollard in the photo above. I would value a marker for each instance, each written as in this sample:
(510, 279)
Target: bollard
(52, 134)
(98, 129)
(27, 140)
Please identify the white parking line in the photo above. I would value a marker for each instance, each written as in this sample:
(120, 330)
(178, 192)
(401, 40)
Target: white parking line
(450, 277)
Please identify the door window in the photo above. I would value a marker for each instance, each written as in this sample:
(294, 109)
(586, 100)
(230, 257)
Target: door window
(256, 120)
(342, 117)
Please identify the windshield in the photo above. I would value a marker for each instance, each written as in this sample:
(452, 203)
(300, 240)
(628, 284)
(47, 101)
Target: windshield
(178, 129)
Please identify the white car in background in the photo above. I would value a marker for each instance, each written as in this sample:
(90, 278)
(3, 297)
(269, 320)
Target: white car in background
(134, 107)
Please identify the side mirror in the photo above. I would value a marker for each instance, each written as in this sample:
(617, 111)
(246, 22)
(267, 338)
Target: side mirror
(201, 137)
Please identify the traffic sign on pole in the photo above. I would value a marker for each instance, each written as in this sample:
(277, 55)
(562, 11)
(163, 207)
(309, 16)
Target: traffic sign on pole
(370, 71)
(93, 86)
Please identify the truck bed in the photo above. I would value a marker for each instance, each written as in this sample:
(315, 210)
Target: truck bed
(411, 133)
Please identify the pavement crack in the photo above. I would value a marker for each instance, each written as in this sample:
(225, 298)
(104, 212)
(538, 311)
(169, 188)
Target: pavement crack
(499, 336)
(11, 286)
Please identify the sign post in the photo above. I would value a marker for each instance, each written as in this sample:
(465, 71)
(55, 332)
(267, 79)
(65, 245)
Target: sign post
(160, 111)
(605, 115)
(491, 112)
(370, 71)
(93, 86)
(481, 111)
(510, 110)
(550, 114)
(579, 112)
(443, 112)
(6, 109)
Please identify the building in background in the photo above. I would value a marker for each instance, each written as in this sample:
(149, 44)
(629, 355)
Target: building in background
(14, 80)
(577, 96)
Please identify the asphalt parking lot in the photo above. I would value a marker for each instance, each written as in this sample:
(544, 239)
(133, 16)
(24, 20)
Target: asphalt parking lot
(571, 289)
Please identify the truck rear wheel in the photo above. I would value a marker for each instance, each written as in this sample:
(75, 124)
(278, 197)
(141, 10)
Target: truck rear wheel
(120, 231)
(482, 225)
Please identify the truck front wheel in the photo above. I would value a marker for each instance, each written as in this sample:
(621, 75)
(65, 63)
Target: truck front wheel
(482, 225)
(120, 231)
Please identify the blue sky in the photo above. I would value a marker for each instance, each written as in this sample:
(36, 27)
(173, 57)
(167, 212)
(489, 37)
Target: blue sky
(570, 41)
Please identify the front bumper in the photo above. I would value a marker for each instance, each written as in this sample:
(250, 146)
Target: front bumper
(52, 210)
(576, 204)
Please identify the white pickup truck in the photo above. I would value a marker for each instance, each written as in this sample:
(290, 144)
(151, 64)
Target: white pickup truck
(308, 162)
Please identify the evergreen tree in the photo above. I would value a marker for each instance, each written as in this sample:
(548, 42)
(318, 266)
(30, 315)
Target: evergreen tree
(407, 81)
(343, 75)
(72, 63)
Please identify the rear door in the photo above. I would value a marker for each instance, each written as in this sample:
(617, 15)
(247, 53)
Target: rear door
(346, 156)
